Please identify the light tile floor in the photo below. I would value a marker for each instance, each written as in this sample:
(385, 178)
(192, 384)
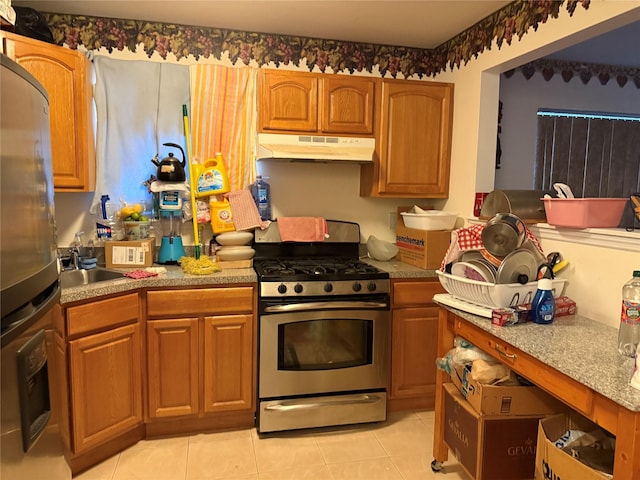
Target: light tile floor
(398, 449)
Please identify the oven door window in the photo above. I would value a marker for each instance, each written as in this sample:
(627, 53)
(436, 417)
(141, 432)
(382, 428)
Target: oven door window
(325, 344)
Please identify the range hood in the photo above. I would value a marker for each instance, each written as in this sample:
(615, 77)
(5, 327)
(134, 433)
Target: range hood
(315, 148)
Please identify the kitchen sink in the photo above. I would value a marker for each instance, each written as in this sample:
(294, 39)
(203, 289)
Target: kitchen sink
(75, 278)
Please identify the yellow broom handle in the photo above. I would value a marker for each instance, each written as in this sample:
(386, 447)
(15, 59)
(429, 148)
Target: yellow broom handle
(194, 208)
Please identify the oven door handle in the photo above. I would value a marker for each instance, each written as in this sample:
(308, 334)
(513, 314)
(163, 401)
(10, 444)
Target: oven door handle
(292, 405)
(300, 307)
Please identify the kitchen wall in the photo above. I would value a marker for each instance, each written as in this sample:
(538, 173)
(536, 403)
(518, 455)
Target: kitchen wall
(601, 261)
(521, 100)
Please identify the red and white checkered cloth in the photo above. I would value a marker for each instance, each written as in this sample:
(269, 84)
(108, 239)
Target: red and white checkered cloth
(470, 238)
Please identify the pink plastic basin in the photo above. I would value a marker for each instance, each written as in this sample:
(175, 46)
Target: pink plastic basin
(584, 212)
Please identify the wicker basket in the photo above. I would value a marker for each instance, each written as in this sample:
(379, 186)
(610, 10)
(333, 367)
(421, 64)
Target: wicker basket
(494, 295)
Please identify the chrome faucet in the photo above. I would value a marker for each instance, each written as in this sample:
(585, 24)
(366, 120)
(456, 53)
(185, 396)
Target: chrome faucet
(74, 253)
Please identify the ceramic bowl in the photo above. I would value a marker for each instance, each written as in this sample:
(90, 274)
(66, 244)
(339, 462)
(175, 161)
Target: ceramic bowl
(381, 249)
(234, 238)
(233, 253)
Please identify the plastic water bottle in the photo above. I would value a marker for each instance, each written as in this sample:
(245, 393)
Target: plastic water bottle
(261, 192)
(543, 306)
(629, 332)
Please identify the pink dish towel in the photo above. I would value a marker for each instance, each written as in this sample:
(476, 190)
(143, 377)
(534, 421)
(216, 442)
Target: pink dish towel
(302, 229)
(244, 211)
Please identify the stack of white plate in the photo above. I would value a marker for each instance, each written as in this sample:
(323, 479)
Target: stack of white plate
(234, 246)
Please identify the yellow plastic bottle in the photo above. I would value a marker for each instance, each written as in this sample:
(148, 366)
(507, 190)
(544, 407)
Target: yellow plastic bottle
(211, 177)
(221, 219)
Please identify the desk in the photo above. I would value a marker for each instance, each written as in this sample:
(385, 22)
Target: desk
(574, 358)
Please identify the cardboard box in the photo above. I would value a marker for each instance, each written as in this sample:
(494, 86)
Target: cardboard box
(564, 306)
(489, 448)
(130, 253)
(501, 400)
(422, 248)
(551, 461)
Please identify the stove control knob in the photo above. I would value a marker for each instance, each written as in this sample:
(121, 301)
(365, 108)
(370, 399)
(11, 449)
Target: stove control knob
(282, 288)
(372, 286)
(357, 286)
(297, 288)
(328, 287)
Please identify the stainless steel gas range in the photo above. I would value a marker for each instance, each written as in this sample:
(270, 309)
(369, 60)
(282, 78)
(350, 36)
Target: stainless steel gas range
(324, 332)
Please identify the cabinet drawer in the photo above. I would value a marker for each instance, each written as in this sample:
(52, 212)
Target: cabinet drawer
(578, 395)
(101, 314)
(208, 301)
(415, 293)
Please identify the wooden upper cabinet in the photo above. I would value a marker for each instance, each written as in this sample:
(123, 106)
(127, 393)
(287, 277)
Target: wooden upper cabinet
(294, 102)
(65, 75)
(288, 101)
(347, 104)
(414, 144)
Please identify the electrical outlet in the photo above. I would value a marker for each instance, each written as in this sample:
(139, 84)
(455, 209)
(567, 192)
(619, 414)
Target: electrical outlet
(393, 219)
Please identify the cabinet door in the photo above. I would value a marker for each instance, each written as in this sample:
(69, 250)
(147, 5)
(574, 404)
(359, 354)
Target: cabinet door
(65, 75)
(106, 385)
(348, 104)
(414, 341)
(228, 363)
(287, 101)
(172, 367)
(415, 142)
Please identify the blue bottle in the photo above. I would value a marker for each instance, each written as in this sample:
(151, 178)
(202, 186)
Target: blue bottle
(543, 307)
(261, 193)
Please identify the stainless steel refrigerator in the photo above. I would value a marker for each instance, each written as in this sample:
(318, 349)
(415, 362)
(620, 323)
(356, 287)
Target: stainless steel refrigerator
(30, 447)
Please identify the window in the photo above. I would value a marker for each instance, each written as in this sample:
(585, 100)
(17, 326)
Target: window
(597, 155)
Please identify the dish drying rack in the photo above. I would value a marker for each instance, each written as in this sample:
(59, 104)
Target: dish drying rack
(480, 298)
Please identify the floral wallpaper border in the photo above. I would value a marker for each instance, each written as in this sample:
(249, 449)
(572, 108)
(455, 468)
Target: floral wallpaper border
(585, 71)
(514, 20)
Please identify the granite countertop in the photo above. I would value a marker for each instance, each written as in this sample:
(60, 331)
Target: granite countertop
(397, 269)
(175, 277)
(581, 348)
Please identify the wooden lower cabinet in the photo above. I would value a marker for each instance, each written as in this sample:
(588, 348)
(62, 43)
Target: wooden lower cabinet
(201, 366)
(414, 332)
(172, 367)
(176, 376)
(228, 365)
(106, 397)
(190, 367)
(98, 360)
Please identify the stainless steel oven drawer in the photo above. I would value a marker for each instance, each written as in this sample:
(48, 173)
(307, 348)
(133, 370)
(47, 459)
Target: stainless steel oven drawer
(293, 413)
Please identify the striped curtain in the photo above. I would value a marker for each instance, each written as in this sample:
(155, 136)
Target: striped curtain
(223, 119)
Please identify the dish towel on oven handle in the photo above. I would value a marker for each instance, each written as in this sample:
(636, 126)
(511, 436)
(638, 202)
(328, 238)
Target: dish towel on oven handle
(303, 229)
(470, 238)
(244, 211)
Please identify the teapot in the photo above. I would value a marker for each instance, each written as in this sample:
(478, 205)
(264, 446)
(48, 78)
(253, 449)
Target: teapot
(170, 169)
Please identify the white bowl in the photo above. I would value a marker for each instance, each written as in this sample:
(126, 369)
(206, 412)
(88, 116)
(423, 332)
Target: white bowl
(381, 249)
(233, 253)
(234, 238)
(430, 220)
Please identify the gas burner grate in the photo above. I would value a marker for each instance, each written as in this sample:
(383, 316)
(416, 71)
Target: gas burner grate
(314, 267)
